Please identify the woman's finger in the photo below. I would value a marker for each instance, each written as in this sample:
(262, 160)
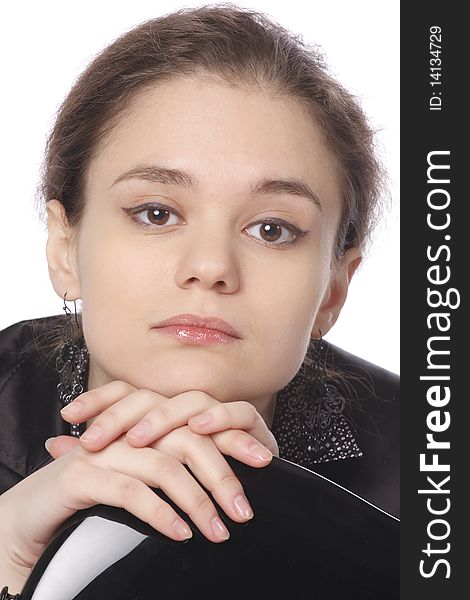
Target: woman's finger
(85, 485)
(92, 403)
(161, 470)
(168, 415)
(234, 415)
(57, 446)
(119, 418)
(210, 468)
(244, 447)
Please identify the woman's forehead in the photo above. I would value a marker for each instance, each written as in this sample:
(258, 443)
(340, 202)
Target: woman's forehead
(217, 131)
(220, 113)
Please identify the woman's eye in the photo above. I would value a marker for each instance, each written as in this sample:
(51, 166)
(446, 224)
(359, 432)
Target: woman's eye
(275, 233)
(270, 232)
(153, 216)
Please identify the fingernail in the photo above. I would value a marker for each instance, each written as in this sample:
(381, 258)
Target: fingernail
(139, 430)
(182, 530)
(74, 408)
(243, 507)
(92, 434)
(201, 419)
(219, 529)
(259, 453)
(47, 443)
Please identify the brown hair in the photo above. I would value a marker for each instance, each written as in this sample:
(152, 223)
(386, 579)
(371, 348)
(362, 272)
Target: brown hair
(239, 46)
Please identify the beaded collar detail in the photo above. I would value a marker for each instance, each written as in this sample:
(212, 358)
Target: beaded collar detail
(310, 424)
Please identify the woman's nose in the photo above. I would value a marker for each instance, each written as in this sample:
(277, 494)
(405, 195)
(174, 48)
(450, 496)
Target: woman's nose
(209, 261)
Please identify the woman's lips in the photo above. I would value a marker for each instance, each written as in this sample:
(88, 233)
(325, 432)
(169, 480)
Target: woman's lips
(197, 335)
(193, 329)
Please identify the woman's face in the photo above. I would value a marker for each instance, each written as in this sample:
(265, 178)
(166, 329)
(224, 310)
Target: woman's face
(214, 201)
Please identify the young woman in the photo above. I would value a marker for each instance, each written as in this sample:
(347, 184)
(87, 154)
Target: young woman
(209, 190)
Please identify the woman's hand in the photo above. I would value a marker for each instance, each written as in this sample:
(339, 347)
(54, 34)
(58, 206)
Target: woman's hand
(120, 475)
(119, 469)
(120, 406)
(145, 416)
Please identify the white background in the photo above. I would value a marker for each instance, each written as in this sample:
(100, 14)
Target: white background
(45, 45)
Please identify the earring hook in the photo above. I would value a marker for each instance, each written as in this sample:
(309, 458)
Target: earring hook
(67, 310)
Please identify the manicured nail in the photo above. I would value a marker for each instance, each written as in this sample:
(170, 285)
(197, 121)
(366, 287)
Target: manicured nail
(243, 507)
(182, 530)
(47, 443)
(91, 434)
(259, 453)
(202, 419)
(219, 529)
(139, 430)
(74, 408)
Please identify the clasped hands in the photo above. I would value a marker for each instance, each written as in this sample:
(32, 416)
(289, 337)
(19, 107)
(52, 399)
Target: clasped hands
(151, 439)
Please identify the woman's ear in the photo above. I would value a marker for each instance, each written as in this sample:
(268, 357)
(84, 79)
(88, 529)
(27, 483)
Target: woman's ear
(337, 292)
(61, 252)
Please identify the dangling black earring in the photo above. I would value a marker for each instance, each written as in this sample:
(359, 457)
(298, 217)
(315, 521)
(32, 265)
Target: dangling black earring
(329, 401)
(71, 365)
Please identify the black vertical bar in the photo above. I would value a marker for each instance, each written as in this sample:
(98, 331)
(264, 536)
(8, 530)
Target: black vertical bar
(435, 255)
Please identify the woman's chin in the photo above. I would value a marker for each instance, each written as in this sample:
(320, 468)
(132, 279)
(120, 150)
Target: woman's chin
(173, 386)
(170, 378)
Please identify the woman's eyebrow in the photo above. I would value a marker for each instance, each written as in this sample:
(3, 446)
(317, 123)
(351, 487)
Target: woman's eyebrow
(293, 186)
(158, 174)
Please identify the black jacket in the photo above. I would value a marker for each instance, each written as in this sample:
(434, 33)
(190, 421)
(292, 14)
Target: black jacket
(367, 463)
